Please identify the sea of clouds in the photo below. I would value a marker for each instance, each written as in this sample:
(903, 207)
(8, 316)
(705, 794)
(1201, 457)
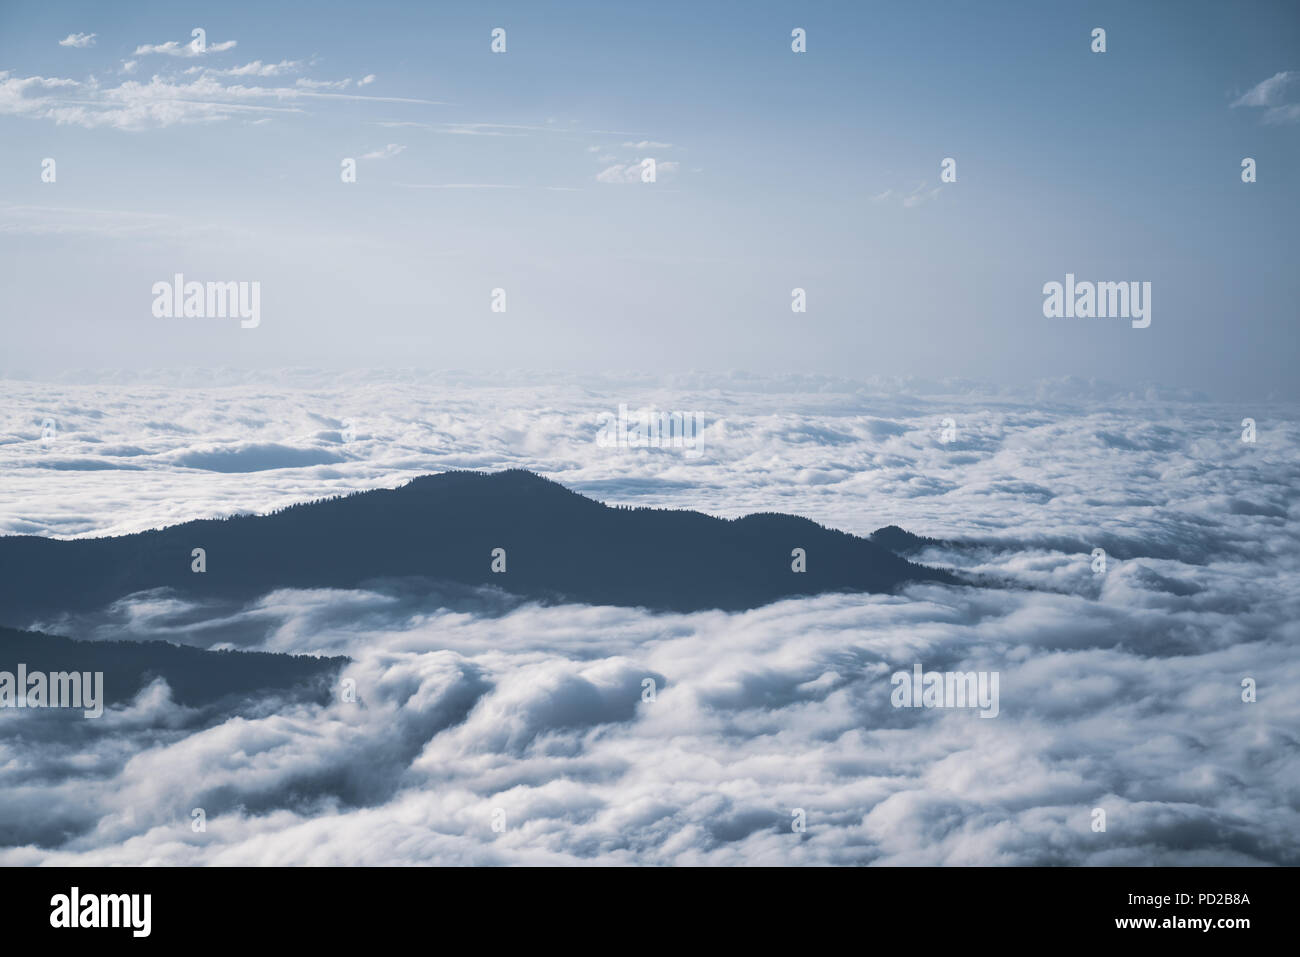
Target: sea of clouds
(1120, 691)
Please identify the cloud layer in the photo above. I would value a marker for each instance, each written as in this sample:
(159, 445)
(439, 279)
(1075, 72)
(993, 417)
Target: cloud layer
(1120, 691)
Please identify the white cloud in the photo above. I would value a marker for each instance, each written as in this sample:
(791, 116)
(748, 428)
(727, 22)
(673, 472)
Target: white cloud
(78, 40)
(392, 149)
(161, 102)
(631, 172)
(1267, 92)
(1119, 691)
(1283, 114)
(917, 198)
(186, 49)
(29, 95)
(476, 129)
(1270, 95)
(457, 186)
(256, 68)
(647, 145)
(108, 223)
(324, 84)
(366, 80)
(921, 193)
(480, 129)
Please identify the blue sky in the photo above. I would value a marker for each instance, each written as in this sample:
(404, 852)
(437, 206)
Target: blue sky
(776, 170)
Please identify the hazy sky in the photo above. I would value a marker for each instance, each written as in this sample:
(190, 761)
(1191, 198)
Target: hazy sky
(820, 170)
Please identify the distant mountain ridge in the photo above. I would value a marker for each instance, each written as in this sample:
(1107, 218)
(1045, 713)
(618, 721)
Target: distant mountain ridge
(196, 677)
(558, 546)
(902, 542)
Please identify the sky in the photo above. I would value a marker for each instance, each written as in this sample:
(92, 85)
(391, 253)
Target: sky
(378, 357)
(775, 170)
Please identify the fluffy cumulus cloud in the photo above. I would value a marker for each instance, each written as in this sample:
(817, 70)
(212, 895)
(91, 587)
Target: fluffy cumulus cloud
(1119, 690)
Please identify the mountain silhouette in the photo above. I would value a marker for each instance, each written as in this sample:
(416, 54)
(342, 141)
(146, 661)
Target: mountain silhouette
(900, 541)
(196, 677)
(558, 546)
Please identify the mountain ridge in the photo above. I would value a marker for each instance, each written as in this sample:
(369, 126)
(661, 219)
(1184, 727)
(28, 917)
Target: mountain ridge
(558, 545)
(197, 677)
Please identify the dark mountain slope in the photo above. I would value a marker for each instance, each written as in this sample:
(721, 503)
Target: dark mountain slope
(900, 541)
(559, 545)
(196, 677)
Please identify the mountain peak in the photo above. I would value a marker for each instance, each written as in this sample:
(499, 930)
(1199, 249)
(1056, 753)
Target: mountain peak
(514, 530)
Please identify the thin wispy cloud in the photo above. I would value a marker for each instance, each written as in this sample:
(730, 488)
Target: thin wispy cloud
(186, 49)
(389, 151)
(30, 220)
(307, 84)
(1266, 92)
(922, 193)
(78, 40)
(1271, 95)
(161, 102)
(459, 129)
(453, 129)
(458, 186)
(494, 129)
(256, 68)
(632, 172)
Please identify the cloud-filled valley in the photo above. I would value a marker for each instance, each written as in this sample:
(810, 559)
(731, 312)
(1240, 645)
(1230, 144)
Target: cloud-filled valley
(1120, 690)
